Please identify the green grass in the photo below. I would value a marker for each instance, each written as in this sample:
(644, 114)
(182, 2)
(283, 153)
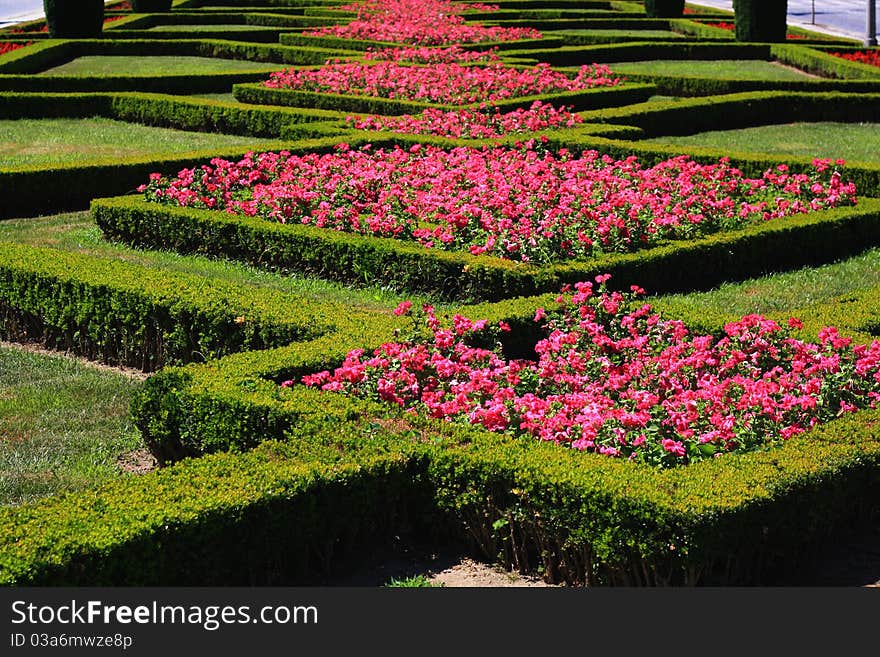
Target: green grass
(62, 425)
(783, 292)
(858, 142)
(226, 98)
(723, 69)
(414, 582)
(77, 232)
(48, 142)
(154, 65)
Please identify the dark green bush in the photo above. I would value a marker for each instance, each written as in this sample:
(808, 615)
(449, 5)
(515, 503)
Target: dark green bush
(150, 6)
(664, 8)
(760, 20)
(74, 19)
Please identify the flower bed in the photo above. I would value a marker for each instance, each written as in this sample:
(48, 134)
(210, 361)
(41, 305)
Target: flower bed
(432, 55)
(450, 83)
(614, 378)
(871, 57)
(9, 46)
(522, 203)
(421, 22)
(472, 124)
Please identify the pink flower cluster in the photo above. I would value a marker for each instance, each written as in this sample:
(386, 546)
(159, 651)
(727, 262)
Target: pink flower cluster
(523, 203)
(432, 55)
(450, 83)
(421, 22)
(613, 378)
(472, 124)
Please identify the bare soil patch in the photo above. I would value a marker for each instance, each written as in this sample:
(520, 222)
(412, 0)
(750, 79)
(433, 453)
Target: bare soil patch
(138, 462)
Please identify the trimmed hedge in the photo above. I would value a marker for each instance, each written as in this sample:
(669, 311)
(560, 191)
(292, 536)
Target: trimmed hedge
(118, 312)
(286, 511)
(182, 113)
(791, 242)
(693, 115)
(815, 60)
(259, 94)
(643, 51)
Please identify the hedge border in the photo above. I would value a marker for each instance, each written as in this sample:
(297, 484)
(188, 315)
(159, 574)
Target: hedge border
(125, 313)
(582, 521)
(794, 241)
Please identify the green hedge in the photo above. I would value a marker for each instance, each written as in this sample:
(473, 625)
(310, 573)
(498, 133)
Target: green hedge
(259, 94)
(255, 519)
(119, 312)
(693, 115)
(792, 242)
(816, 60)
(182, 113)
(295, 512)
(581, 518)
(643, 51)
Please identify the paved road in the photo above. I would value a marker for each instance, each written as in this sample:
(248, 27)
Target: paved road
(846, 18)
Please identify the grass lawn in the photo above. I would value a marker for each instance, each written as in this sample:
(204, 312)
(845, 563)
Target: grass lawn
(722, 69)
(785, 291)
(77, 232)
(857, 142)
(48, 142)
(155, 65)
(63, 425)
(226, 98)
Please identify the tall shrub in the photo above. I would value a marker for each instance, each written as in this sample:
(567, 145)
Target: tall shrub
(150, 6)
(74, 19)
(760, 20)
(664, 8)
